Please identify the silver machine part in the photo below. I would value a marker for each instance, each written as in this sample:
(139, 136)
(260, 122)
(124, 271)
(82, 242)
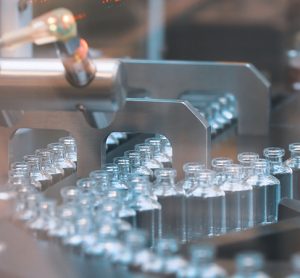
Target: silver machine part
(40, 84)
(170, 79)
(39, 87)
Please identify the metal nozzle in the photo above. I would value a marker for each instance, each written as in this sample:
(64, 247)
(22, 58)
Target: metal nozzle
(58, 26)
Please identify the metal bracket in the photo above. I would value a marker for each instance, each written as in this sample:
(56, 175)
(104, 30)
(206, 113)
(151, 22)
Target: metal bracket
(169, 79)
(186, 129)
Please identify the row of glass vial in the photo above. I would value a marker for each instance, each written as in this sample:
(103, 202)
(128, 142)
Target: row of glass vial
(220, 110)
(49, 165)
(234, 198)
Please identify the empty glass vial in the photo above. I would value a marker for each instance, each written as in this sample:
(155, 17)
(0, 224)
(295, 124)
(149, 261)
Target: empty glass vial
(280, 171)
(116, 183)
(82, 232)
(246, 159)
(165, 261)
(205, 206)
(71, 147)
(47, 165)
(103, 180)
(266, 193)
(31, 207)
(135, 164)
(202, 264)
(45, 219)
(60, 160)
(36, 173)
(294, 164)
(238, 199)
(158, 153)
(172, 201)
(219, 165)
(295, 261)
(249, 265)
(125, 212)
(123, 164)
(165, 145)
(148, 210)
(69, 194)
(191, 173)
(86, 185)
(20, 178)
(135, 252)
(147, 159)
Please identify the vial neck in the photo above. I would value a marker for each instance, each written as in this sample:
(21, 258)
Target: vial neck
(296, 157)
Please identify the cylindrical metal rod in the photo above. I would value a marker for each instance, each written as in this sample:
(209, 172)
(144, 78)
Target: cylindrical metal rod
(40, 85)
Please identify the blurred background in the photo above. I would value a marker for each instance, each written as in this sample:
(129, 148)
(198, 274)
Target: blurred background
(256, 31)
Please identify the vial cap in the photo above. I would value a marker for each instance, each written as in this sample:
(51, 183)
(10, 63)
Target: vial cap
(249, 261)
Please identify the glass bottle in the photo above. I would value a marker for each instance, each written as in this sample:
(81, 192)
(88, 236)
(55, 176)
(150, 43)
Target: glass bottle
(238, 199)
(60, 160)
(165, 261)
(44, 220)
(135, 252)
(280, 171)
(36, 173)
(103, 184)
(125, 212)
(148, 210)
(171, 201)
(86, 185)
(219, 165)
(249, 265)
(71, 148)
(294, 164)
(166, 145)
(20, 177)
(69, 194)
(202, 264)
(115, 182)
(191, 172)
(31, 207)
(135, 164)
(266, 193)
(81, 233)
(158, 153)
(147, 160)
(295, 261)
(47, 165)
(246, 159)
(205, 205)
(65, 222)
(123, 164)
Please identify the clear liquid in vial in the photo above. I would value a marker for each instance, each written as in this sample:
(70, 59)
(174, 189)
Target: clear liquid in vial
(239, 210)
(150, 221)
(265, 203)
(286, 185)
(204, 217)
(172, 221)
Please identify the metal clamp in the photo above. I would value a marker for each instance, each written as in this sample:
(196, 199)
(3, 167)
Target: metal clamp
(169, 79)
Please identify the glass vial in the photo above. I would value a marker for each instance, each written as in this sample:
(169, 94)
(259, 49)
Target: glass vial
(246, 159)
(238, 199)
(294, 164)
(249, 264)
(172, 201)
(205, 205)
(280, 171)
(266, 193)
(202, 264)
